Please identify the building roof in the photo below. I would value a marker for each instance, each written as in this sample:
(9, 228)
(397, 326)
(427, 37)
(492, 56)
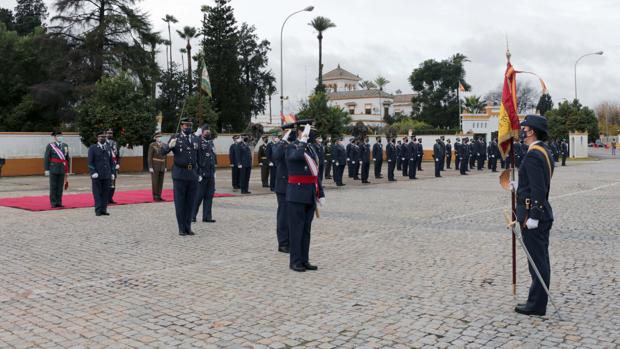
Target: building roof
(358, 94)
(399, 99)
(340, 74)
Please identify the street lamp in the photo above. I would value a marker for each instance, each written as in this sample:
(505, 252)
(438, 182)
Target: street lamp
(307, 9)
(577, 61)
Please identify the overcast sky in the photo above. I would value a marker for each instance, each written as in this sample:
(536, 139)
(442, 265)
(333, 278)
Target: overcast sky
(392, 37)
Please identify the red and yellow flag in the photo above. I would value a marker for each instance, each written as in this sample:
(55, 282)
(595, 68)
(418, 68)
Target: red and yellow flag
(508, 118)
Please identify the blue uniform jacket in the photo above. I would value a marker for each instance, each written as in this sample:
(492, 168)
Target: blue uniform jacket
(100, 161)
(404, 151)
(377, 151)
(365, 153)
(339, 154)
(185, 157)
(243, 155)
(206, 158)
(278, 156)
(535, 184)
(390, 150)
(296, 163)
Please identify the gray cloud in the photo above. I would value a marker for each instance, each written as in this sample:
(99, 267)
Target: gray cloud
(392, 37)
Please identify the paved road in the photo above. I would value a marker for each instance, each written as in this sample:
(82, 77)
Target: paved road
(401, 265)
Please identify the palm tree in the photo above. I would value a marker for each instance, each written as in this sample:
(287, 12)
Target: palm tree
(188, 34)
(380, 81)
(167, 44)
(183, 52)
(168, 19)
(367, 85)
(321, 24)
(474, 104)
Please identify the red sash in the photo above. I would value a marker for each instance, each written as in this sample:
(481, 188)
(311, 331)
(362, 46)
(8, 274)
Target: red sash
(61, 155)
(303, 179)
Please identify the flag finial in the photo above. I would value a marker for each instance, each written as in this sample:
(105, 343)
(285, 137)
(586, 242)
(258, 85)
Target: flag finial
(508, 55)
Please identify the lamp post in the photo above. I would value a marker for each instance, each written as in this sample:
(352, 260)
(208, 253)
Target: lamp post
(307, 9)
(577, 61)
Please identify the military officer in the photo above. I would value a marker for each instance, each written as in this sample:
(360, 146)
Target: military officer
(405, 156)
(413, 152)
(350, 163)
(518, 153)
(157, 166)
(437, 156)
(279, 159)
(442, 159)
(448, 153)
(356, 158)
(564, 147)
(339, 159)
(205, 163)
(303, 194)
(244, 164)
(365, 160)
(377, 157)
(464, 156)
(184, 146)
(392, 155)
(534, 212)
(116, 158)
(472, 153)
(317, 142)
(457, 154)
(263, 162)
(328, 158)
(56, 164)
(234, 162)
(101, 166)
(398, 160)
(420, 154)
(272, 166)
(481, 153)
(493, 154)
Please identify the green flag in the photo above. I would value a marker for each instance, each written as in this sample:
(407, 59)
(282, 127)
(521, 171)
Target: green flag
(205, 84)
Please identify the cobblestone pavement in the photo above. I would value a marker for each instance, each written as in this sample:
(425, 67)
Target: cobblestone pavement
(401, 265)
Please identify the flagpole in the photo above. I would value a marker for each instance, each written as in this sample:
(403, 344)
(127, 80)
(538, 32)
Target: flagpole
(513, 201)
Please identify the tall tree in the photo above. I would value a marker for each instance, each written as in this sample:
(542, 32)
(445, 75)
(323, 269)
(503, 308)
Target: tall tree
(526, 96)
(269, 81)
(6, 17)
(169, 19)
(545, 103)
(321, 24)
(572, 116)
(29, 14)
(220, 46)
(328, 121)
(108, 33)
(173, 91)
(380, 81)
(188, 34)
(435, 83)
(608, 114)
(253, 63)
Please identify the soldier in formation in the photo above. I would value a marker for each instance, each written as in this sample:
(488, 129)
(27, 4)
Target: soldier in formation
(116, 159)
(392, 156)
(234, 162)
(377, 157)
(157, 166)
(56, 165)
(101, 167)
(339, 159)
(263, 161)
(205, 165)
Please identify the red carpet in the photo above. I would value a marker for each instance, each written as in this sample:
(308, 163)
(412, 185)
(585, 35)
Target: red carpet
(42, 203)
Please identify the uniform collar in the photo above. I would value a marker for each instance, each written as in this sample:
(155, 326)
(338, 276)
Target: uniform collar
(534, 144)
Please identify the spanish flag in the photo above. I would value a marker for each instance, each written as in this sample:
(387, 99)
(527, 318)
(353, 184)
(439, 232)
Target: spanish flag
(508, 118)
(287, 119)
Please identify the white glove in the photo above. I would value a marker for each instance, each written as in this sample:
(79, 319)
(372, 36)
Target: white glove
(514, 185)
(113, 177)
(374, 159)
(389, 160)
(271, 164)
(348, 159)
(151, 170)
(286, 135)
(306, 131)
(118, 166)
(337, 164)
(165, 169)
(436, 160)
(232, 165)
(531, 223)
(403, 159)
(322, 202)
(172, 143)
(94, 176)
(239, 166)
(47, 173)
(199, 178)
(214, 175)
(353, 162)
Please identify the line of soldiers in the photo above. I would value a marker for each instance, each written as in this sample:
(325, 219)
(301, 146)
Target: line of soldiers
(240, 157)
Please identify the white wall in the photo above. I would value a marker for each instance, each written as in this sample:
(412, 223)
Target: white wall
(578, 145)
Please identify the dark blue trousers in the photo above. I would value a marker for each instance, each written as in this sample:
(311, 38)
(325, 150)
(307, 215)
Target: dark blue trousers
(299, 223)
(282, 221)
(244, 178)
(378, 164)
(537, 243)
(405, 166)
(206, 190)
(184, 199)
(412, 164)
(338, 173)
(365, 171)
(272, 177)
(391, 166)
(235, 177)
(437, 167)
(101, 194)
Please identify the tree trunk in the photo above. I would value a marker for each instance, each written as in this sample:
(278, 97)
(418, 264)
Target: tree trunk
(320, 37)
(189, 67)
(100, 41)
(170, 40)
